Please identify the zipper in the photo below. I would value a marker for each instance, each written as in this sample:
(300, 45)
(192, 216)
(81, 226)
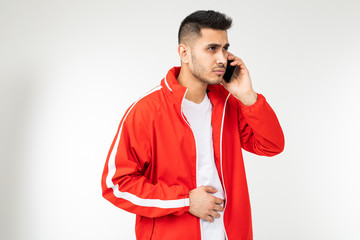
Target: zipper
(182, 114)
(221, 163)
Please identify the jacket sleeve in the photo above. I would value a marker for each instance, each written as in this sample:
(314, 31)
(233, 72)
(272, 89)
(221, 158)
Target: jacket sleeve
(124, 181)
(259, 128)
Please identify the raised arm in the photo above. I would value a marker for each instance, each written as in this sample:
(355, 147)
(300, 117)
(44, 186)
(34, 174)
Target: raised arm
(259, 127)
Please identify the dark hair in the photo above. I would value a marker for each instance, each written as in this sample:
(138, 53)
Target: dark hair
(193, 23)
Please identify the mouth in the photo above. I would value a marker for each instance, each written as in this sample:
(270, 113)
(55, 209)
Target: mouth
(219, 71)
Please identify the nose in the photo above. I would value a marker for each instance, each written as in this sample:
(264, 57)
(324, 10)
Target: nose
(221, 58)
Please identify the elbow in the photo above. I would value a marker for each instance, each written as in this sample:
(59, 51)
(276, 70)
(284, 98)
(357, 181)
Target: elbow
(278, 150)
(272, 148)
(278, 147)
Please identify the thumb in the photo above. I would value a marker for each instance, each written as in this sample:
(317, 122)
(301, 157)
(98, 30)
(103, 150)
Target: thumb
(209, 189)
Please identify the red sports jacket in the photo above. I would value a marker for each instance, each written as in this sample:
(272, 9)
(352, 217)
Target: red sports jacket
(152, 165)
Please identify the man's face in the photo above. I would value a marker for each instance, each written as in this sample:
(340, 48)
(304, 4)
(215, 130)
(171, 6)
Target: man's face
(209, 56)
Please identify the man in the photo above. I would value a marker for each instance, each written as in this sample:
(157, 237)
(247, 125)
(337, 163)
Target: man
(176, 160)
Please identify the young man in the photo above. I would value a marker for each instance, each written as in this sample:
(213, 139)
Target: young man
(176, 160)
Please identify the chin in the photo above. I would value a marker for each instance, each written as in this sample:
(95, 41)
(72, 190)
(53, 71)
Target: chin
(211, 81)
(215, 81)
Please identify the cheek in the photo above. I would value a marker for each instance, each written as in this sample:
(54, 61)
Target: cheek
(206, 60)
(202, 62)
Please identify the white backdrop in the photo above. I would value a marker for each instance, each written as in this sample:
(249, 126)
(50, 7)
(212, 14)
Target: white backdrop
(70, 69)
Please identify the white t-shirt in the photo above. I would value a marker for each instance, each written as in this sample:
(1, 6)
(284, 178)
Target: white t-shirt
(199, 117)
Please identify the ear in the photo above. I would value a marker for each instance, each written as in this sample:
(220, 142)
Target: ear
(184, 53)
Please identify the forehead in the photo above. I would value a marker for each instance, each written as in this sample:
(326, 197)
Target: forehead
(209, 35)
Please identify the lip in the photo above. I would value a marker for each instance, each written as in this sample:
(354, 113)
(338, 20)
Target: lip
(219, 71)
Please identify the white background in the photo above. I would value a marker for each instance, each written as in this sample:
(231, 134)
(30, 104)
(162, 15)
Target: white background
(70, 69)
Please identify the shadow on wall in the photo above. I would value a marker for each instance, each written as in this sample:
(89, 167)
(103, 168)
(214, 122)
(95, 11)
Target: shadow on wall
(16, 95)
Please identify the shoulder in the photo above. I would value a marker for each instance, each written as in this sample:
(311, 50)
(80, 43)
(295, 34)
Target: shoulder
(145, 107)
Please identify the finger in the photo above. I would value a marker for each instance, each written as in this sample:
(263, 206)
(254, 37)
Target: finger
(231, 57)
(240, 65)
(215, 214)
(230, 54)
(238, 61)
(218, 208)
(209, 218)
(209, 189)
(233, 63)
(218, 200)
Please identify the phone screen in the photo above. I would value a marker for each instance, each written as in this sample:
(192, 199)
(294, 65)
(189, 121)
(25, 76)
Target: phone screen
(229, 72)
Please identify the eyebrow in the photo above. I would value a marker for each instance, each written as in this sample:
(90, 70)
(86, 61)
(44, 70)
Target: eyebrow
(218, 45)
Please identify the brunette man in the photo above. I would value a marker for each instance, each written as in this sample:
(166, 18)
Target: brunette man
(176, 160)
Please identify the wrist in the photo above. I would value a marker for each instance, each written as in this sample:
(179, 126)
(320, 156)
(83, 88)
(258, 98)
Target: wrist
(248, 98)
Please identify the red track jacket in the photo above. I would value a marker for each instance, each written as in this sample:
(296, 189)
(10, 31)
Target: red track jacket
(152, 165)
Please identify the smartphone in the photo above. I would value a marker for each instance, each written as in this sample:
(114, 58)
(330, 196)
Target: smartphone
(229, 72)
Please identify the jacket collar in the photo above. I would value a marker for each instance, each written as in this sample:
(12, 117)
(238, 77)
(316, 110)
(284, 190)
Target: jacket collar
(172, 86)
(216, 93)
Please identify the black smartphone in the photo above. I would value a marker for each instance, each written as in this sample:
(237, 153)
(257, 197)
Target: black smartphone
(229, 72)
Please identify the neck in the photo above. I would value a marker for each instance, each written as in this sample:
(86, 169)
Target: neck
(196, 89)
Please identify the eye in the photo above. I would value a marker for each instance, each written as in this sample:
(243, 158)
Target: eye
(212, 48)
(225, 48)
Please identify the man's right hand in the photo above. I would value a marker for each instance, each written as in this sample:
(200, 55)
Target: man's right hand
(203, 204)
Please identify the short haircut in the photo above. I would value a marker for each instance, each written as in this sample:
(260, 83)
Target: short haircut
(191, 26)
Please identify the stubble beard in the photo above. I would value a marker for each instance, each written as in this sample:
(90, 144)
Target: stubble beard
(199, 70)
